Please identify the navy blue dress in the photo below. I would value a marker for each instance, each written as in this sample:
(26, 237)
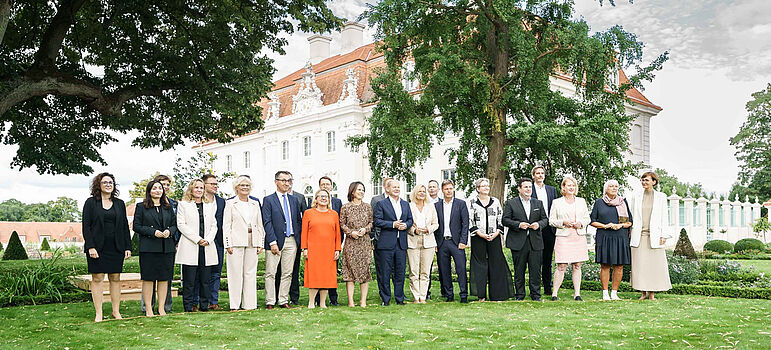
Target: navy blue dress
(611, 247)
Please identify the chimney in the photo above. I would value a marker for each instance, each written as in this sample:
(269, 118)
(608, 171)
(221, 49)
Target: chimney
(352, 37)
(319, 48)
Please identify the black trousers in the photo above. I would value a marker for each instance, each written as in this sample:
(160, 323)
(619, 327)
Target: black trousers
(529, 259)
(196, 276)
(548, 255)
(448, 250)
(391, 265)
(489, 268)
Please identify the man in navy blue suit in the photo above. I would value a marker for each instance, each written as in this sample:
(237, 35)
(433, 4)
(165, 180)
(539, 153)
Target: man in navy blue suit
(393, 217)
(451, 238)
(211, 185)
(546, 194)
(281, 218)
(325, 183)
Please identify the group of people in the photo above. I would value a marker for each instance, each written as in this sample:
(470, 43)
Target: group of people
(200, 230)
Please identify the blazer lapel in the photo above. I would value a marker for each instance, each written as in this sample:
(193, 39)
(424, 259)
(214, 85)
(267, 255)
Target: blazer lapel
(521, 208)
(390, 208)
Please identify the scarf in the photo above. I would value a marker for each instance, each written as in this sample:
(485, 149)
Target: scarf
(620, 205)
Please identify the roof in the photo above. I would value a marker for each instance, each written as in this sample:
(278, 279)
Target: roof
(59, 231)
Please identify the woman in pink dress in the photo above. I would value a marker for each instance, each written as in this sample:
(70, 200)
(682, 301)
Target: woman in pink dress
(570, 215)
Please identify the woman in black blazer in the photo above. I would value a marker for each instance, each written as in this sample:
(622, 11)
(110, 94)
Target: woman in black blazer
(156, 225)
(107, 240)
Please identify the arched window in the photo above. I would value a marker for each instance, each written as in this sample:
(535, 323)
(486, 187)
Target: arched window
(308, 193)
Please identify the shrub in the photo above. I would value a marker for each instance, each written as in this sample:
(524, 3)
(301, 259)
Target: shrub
(684, 246)
(749, 244)
(722, 291)
(135, 244)
(682, 269)
(43, 280)
(15, 250)
(45, 246)
(719, 246)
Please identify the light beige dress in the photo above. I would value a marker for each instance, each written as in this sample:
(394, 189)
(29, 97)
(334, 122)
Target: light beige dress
(650, 270)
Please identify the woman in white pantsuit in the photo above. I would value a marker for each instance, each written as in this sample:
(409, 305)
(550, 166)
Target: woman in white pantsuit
(244, 239)
(421, 243)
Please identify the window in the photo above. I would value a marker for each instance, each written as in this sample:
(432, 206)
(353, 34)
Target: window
(448, 174)
(23, 239)
(744, 218)
(377, 189)
(331, 141)
(307, 146)
(247, 161)
(308, 193)
(334, 189)
(682, 214)
(709, 219)
(229, 161)
(721, 216)
(409, 80)
(410, 183)
(637, 136)
(284, 150)
(733, 216)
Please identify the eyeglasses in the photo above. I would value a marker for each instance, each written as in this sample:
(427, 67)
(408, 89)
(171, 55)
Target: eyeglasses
(285, 180)
(107, 183)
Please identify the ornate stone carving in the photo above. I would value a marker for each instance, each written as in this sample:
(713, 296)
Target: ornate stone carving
(273, 106)
(309, 97)
(350, 86)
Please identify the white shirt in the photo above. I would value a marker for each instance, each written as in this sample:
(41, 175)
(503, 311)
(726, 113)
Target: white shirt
(288, 205)
(540, 192)
(447, 208)
(244, 209)
(434, 200)
(526, 205)
(420, 217)
(397, 206)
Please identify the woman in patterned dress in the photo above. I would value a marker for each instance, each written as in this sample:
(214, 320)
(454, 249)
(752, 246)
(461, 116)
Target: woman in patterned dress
(356, 222)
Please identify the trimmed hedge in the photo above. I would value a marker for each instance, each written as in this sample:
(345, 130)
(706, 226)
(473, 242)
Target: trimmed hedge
(685, 289)
(684, 246)
(15, 250)
(45, 246)
(72, 297)
(749, 244)
(719, 246)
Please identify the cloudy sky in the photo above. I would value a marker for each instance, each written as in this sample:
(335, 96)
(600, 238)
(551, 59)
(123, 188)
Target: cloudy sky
(720, 53)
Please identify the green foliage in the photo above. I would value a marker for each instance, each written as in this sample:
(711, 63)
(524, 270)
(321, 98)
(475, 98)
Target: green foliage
(668, 182)
(749, 244)
(761, 226)
(60, 210)
(138, 191)
(682, 269)
(43, 279)
(15, 250)
(743, 255)
(135, 244)
(197, 166)
(485, 69)
(684, 247)
(719, 246)
(171, 70)
(753, 144)
(45, 246)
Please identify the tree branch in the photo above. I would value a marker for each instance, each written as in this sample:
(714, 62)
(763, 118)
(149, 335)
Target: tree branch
(456, 9)
(5, 16)
(51, 44)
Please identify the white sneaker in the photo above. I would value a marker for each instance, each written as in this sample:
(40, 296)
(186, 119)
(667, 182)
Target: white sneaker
(605, 295)
(614, 295)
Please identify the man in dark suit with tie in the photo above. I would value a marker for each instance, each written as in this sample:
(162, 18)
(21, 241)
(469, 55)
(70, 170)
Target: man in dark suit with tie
(211, 185)
(393, 216)
(294, 288)
(525, 217)
(325, 183)
(546, 194)
(281, 218)
(451, 238)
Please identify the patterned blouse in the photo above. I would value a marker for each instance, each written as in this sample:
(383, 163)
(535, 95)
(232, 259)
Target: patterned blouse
(487, 218)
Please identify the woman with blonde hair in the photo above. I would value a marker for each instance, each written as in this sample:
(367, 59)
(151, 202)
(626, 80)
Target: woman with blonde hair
(570, 216)
(320, 244)
(196, 251)
(244, 238)
(421, 242)
(489, 268)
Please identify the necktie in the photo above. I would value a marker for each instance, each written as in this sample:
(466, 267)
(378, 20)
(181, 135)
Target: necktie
(286, 216)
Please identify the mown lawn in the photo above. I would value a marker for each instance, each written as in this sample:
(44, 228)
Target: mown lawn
(761, 265)
(673, 321)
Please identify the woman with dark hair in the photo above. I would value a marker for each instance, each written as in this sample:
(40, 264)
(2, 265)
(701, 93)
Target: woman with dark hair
(107, 240)
(156, 225)
(356, 222)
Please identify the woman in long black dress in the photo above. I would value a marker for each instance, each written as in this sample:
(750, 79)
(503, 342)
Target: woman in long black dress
(107, 240)
(156, 225)
(612, 218)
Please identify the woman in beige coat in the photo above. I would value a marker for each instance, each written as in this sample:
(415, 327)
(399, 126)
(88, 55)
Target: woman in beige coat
(421, 243)
(244, 239)
(570, 215)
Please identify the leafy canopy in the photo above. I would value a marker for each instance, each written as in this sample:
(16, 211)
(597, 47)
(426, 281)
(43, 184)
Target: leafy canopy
(73, 70)
(753, 148)
(485, 70)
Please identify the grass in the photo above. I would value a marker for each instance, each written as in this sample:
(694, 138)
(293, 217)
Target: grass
(761, 265)
(671, 322)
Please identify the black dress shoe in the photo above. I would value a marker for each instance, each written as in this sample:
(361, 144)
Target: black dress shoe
(537, 299)
(334, 304)
(553, 298)
(399, 303)
(578, 298)
(519, 299)
(464, 300)
(295, 303)
(449, 300)
(385, 304)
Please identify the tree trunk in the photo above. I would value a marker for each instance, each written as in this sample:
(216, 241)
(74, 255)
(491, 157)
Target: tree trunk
(496, 153)
(5, 16)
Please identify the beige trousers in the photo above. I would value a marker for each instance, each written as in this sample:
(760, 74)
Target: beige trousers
(242, 278)
(286, 257)
(420, 270)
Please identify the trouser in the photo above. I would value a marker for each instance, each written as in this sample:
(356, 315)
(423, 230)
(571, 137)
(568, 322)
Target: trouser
(489, 268)
(391, 266)
(527, 258)
(420, 260)
(448, 251)
(294, 287)
(196, 276)
(242, 278)
(216, 275)
(286, 255)
(166, 307)
(548, 254)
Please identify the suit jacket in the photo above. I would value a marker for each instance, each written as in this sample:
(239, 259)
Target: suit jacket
(235, 229)
(337, 204)
(188, 226)
(514, 213)
(561, 212)
(275, 223)
(551, 194)
(385, 216)
(93, 225)
(303, 202)
(374, 234)
(658, 226)
(432, 223)
(458, 222)
(218, 215)
(147, 220)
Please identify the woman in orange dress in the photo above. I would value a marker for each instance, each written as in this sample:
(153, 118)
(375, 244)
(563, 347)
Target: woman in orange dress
(320, 244)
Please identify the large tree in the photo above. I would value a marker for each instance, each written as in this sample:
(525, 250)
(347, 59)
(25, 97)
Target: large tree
(484, 68)
(753, 148)
(72, 70)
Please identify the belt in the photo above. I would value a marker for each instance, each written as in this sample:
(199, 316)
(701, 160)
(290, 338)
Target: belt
(448, 238)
